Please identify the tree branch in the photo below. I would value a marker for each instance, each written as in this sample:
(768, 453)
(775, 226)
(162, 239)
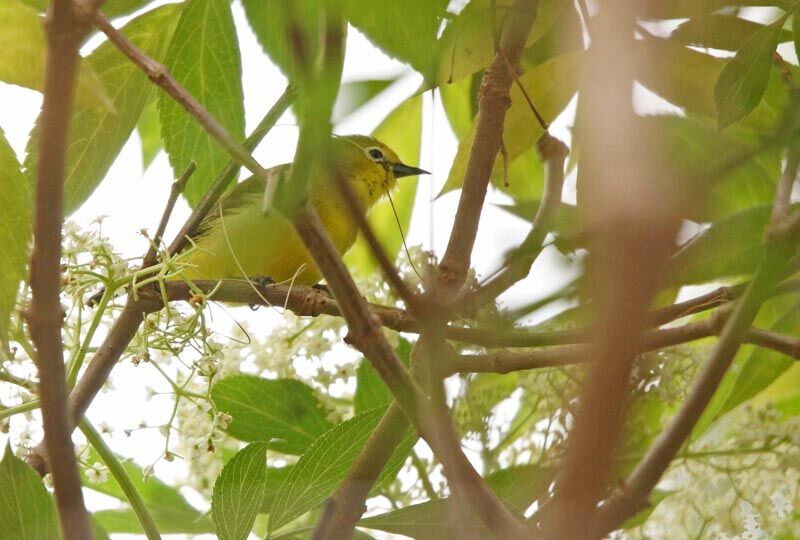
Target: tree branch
(65, 33)
(366, 335)
(493, 102)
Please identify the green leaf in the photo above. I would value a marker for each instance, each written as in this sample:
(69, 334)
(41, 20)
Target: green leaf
(15, 230)
(517, 486)
(403, 29)
(24, 48)
(276, 476)
(264, 410)
(170, 511)
(238, 492)
(743, 81)
(355, 94)
(371, 391)
(277, 23)
(98, 134)
(114, 8)
(684, 9)
(326, 463)
(724, 31)
(401, 131)
(687, 78)
(796, 33)
(27, 511)
(204, 57)
(731, 247)
(149, 134)
(467, 43)
(460, 102)
(763, 365)
(550, 86)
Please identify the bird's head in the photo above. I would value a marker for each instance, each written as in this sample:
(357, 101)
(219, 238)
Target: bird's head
(367, 151)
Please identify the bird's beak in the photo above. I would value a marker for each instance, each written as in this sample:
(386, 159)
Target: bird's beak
(401, 170)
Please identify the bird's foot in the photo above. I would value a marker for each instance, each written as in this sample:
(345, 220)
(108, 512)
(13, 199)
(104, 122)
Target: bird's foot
(324, 288)
(262, 281)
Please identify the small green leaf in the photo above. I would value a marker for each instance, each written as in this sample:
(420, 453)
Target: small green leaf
(763, 365)
(326, 463)
(27, 511)
(238, 492)
(204, 57)
(403, 29)
(517, 486)
(264, 409)
(743, 81)
(24, 48)
(98, 134)
(401, 131)
(371, 391)
(355, 94)
(149, 134)
(550, 86)
(724, 31)
(15, 230)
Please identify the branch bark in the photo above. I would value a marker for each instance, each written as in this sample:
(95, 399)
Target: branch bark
(66, 30)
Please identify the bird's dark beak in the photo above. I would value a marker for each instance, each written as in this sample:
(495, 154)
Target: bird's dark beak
(401, 170)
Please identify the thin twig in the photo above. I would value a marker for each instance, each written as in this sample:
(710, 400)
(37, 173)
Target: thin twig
(518, 264)
(177, 188)
(65, 33)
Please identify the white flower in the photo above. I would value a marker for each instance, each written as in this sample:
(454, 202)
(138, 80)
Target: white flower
(97, 474)
(781, 504)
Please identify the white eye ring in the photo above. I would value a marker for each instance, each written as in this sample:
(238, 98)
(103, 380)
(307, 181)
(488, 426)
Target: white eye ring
(375, 154)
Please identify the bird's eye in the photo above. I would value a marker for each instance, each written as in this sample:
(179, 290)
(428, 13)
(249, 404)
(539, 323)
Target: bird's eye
(375, 154)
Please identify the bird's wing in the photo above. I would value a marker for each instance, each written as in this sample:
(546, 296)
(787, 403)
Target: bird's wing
(242, 195)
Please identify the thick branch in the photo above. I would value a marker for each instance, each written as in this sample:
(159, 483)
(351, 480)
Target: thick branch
(493, 102)
(65, 32)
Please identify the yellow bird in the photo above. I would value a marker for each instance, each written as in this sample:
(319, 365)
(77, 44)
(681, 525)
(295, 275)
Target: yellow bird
(238, 240)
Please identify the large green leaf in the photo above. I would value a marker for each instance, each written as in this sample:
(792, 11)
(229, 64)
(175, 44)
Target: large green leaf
(149, 133)
(204, 57)
(550, 86)
(700, 162)
(467, 44)
(684, 9)
(111, 9)
(403, 29)
(27, 511)
(97, 134)
(22, 41)
(687, 78)
(400, 131)
(265, 410)
(239, 491)
(15, 230)
(729, 248)
(724, 31)
(171, 513)
(325, 465)
(744, 79)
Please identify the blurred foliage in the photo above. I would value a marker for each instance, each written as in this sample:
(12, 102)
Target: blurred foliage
(718, 107)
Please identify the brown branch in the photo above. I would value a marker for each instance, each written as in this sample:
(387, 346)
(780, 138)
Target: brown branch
(159, 74)
(411, 298)
(493, 102)
(66, 30)
(366, 335)
(634, 213)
